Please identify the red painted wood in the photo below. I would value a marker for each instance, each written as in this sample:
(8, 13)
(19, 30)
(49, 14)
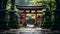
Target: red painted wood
(24, 17)
(30, 13)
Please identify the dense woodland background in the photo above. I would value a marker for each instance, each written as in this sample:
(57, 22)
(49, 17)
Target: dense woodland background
(8, 19)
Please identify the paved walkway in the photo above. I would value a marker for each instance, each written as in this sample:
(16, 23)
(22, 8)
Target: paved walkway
(26, 31)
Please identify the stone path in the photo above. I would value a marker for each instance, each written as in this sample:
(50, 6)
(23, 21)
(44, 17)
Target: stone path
(26, 31)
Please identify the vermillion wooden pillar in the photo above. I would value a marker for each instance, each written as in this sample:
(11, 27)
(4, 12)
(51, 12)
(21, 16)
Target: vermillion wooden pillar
(35, 16)
(24, 17)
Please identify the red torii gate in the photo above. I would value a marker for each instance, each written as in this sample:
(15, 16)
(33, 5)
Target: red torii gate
(35, 8)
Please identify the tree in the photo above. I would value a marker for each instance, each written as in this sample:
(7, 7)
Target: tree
(57, 16)
(3, 22)
(13, 17)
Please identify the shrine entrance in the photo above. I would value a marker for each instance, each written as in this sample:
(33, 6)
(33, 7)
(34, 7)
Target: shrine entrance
(31, 15)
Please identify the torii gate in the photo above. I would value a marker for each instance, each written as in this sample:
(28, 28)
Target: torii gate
(35, 8)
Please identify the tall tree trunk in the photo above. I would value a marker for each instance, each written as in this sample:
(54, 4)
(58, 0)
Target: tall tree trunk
(3, 23)
(57, 16)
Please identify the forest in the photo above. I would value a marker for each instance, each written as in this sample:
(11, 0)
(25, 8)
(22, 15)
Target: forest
(8, 18)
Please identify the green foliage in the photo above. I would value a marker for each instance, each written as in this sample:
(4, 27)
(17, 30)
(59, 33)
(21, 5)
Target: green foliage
(13, 23)
(37, 2)
(8, 6)
(51, 4)
(47, 2)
